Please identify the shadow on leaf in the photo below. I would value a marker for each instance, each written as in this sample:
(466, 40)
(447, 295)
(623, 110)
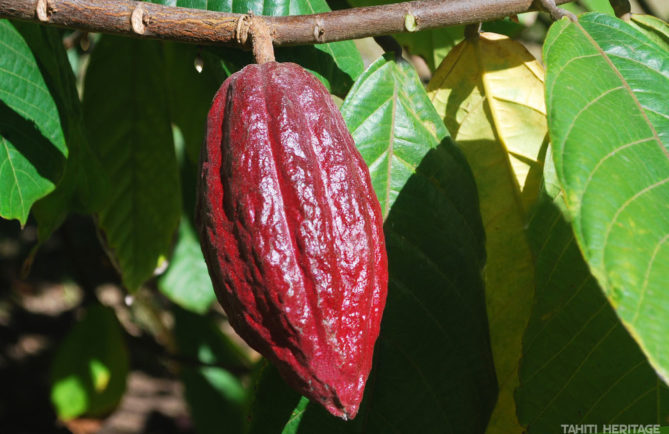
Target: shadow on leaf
(31, 144)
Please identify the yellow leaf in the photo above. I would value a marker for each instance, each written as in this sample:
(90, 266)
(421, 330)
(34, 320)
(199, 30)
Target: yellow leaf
(493, 88)
(489, 92)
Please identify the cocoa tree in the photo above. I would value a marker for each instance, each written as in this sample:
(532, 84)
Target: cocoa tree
(524, 204)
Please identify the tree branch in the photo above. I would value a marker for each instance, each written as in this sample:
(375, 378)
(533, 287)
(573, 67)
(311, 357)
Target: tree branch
(198, 26)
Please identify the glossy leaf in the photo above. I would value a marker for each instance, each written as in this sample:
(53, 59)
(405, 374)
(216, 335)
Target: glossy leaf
(126, 113)
(579, 364)
(83, 186)
(90, 367)
(489, 91)
(431, 208)
(653, 27)
(32, 144)
(393, 124)
(186, 281)
(609, 124)
(23, 88)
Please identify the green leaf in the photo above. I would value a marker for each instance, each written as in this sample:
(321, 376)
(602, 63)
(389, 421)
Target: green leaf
(653, 27)
(599, 6)
(23, 89)
(214, 394)
(190, 92)
(432, 45)
(126, 113)
(609, 124)
(574, 7)
(274, 403)
(579, 364)
(393, 124)
(90, 367)
(187, 282)
(29, 165)
(32, 145)
(293, 423)
(433, 368)
(82, 186)
(579, 7)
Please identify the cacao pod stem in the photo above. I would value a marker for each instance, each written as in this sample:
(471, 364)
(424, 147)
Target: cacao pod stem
(261, 40)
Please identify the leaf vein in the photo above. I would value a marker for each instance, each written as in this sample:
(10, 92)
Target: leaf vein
(647, 276)
(578, 368)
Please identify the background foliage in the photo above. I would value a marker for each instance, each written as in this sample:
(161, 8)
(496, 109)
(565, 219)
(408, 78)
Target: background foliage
(526, 207)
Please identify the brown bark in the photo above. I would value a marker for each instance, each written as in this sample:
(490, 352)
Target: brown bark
(198, 26)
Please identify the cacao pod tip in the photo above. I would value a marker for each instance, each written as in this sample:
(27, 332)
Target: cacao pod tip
(345, 412)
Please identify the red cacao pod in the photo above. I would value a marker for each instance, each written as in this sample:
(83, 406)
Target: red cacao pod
(292, 231)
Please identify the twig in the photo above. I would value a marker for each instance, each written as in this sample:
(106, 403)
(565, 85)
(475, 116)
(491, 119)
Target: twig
(556, 12)
(140, 19)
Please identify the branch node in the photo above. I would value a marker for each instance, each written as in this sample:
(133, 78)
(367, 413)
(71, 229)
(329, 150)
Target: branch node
(410, 23)
(261, 40)
(43, 10)
(242, 29)
(319, 31)
(556, 12)
(138, 20)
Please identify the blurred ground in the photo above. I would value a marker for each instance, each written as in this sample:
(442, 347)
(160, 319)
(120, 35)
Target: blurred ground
(35, 315)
